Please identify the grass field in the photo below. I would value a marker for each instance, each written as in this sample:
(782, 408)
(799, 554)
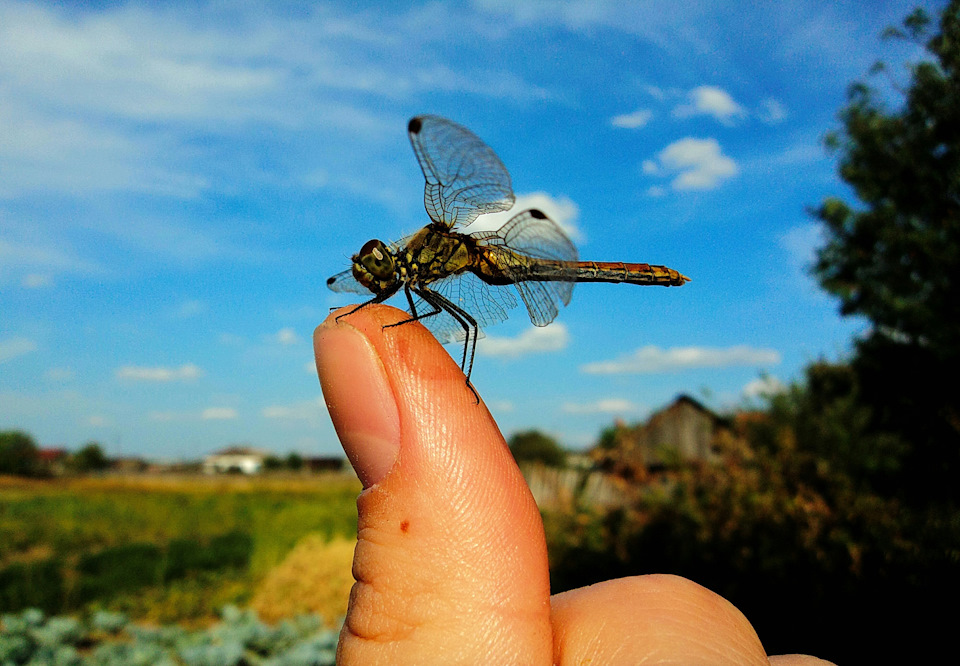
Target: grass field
(177, 548)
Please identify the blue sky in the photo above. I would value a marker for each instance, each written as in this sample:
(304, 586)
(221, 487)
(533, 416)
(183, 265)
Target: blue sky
(178, 181)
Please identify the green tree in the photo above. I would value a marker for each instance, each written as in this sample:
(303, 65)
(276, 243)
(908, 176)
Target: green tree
(534, 446)
(272, 463)
(294, 461)
(90, 458)
(894, 257)
(18, 453)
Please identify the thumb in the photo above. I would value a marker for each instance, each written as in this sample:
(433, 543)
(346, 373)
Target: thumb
(451, 563)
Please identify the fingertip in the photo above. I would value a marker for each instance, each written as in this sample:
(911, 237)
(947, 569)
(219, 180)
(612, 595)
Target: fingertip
(359, 398)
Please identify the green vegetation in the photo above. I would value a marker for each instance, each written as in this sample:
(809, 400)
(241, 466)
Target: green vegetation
(20, 456)
(90, 458)
(109, 639)
(894, 255)
(832, 519)
(534, 446)
(18, 453)
(164, 549)
(800, 525)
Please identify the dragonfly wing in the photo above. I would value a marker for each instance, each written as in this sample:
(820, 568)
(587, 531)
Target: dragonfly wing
(487, 304)
(443, 325)
(345, 283)
(526, 237)
(464, 177)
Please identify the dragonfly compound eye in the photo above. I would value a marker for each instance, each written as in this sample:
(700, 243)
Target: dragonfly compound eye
(375, 257)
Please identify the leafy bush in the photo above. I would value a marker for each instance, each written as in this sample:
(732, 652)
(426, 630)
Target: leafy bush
(226, 551)
(18, 453)
(119, 569)
(800, 525)
(231, 550)
(534, 446)
(36, 584)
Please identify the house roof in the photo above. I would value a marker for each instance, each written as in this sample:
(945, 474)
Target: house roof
(239, 451)
(52, 454)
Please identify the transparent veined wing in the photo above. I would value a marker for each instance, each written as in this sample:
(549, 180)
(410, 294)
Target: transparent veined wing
(464, 177)
(487, 304)
(345, 283)
(525, 238)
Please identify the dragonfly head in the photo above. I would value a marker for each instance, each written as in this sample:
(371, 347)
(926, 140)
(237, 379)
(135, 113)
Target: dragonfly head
(373, 266)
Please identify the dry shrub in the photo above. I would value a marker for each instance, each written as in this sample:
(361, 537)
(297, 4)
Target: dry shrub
(314, 578)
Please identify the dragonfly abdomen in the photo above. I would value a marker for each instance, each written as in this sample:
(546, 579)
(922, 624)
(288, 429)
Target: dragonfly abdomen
(604, 271)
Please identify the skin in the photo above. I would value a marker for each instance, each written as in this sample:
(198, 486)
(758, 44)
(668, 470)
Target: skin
(451, 561)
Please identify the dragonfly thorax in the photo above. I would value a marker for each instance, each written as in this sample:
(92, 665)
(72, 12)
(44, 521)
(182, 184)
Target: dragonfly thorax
(374, 266)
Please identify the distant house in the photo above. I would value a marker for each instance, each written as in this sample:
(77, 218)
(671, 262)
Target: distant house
(129, 465)
(235, 460)
(53, 460)
(683, 432)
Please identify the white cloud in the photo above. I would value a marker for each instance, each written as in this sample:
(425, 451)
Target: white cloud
(671, 26)
(286, 336)
(652, 359)
(11, 348)
(562, 210)
(772, 111)
(37, 257)
(801, 243)
(710, 101)
(218, 413)
(650, 168)
(230, 339)
(159, 374)
(190, 308)
(533, 340)
(125, 97)
(604, 406)
(207, 414)
(60, 374)
(164, 416)
(656, 92)
(36, 281)
(633, 120)
(304, 410)
(699, 164)
(763, 387)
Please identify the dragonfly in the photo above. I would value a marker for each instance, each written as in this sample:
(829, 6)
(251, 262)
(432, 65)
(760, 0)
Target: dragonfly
(458, 283)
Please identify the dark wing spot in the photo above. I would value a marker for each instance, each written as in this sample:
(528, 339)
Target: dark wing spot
(414, 126)
(331, 280)
(539, 214)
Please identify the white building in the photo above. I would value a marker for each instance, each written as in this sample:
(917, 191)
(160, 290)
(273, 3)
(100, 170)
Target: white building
(235, 459)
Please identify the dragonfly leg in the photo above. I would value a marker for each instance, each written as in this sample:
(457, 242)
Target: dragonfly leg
(413, 309)
(378, 298)
(466, 321)
(375, 299)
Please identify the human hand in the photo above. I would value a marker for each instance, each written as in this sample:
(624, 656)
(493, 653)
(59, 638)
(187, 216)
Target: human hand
(451, 561)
